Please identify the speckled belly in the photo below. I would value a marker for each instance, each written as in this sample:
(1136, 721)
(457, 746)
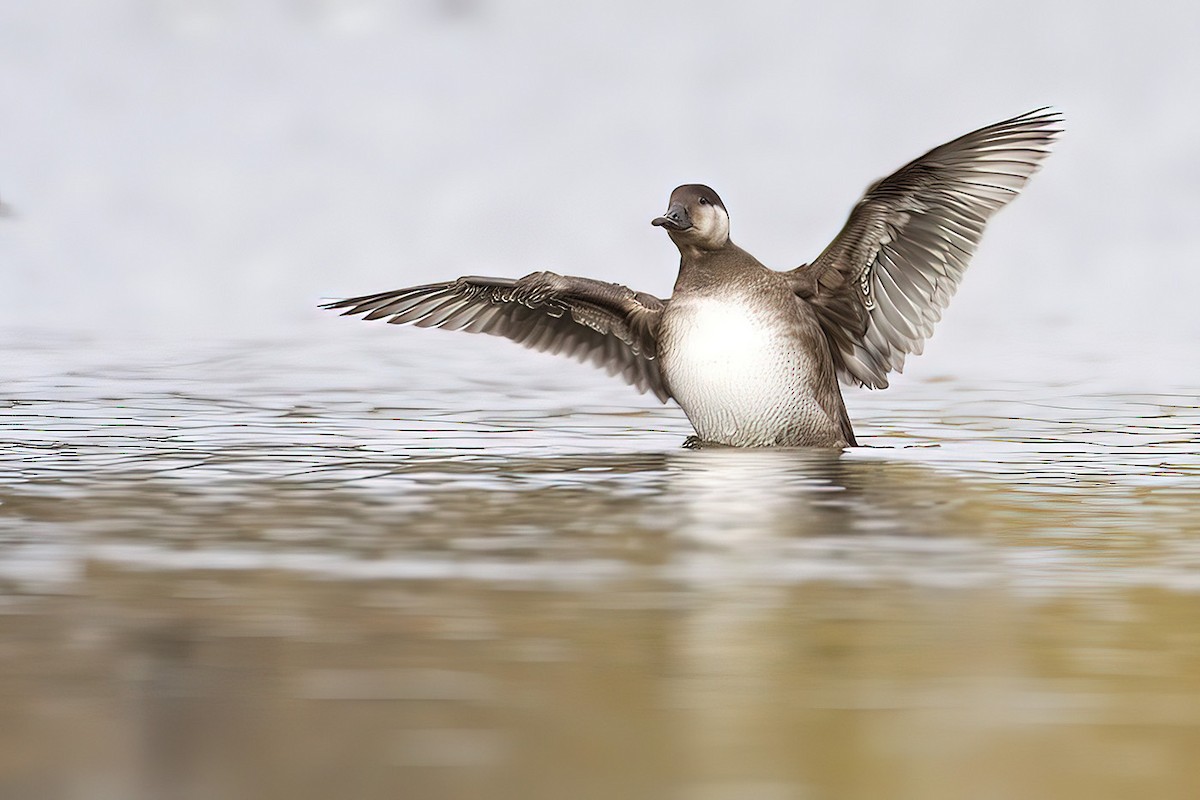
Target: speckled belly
(743, 375)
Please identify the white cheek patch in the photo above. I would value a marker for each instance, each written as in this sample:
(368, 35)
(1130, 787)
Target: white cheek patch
(713, 224)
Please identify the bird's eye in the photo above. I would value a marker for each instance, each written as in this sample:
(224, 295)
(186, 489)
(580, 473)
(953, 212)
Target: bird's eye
(703, 201)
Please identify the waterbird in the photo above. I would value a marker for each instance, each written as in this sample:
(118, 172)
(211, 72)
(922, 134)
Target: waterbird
(752, 355)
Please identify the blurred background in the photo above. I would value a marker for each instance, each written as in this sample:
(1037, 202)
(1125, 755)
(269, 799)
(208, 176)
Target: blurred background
(216, 167)
(249, 549)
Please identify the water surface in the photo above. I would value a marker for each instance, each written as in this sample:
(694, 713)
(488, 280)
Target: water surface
(307, 569)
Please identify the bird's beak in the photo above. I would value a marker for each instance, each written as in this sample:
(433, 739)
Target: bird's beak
(676, 218)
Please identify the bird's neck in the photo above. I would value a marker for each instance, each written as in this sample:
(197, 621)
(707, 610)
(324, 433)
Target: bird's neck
(700, 268)
(695, 253)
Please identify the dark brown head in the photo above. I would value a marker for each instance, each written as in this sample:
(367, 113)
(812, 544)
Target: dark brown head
(696, 217)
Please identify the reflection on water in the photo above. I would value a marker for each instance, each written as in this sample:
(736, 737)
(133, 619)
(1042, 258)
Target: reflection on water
(282, 571)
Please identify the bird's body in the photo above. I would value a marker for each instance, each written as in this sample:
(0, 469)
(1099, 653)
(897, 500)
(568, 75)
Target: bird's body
(752, 355)
(746, 359)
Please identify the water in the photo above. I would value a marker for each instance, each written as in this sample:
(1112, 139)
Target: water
(389, 565)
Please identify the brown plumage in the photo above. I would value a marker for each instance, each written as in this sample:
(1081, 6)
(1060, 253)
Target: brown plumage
(753, 355)
(606, 324)
(883, 282)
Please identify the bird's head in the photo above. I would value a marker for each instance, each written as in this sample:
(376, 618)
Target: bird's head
(695, 217)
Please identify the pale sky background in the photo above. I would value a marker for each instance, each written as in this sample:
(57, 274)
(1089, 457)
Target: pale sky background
(214, 168)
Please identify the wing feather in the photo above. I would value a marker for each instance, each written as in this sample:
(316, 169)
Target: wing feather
(881, 285)
(602, 323)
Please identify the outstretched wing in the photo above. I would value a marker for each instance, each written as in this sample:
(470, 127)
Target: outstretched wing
(882, 283)
(605, 324)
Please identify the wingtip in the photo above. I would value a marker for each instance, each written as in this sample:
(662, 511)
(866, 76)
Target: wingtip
(1042, 111)
(333, 305)
(1045, 116)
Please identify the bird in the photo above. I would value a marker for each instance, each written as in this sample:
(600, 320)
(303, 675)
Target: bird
(752, 355)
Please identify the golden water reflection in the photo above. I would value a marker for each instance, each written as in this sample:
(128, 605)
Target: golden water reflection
(675, 625)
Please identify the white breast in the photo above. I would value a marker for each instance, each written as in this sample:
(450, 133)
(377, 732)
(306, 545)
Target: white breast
(740, 373)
